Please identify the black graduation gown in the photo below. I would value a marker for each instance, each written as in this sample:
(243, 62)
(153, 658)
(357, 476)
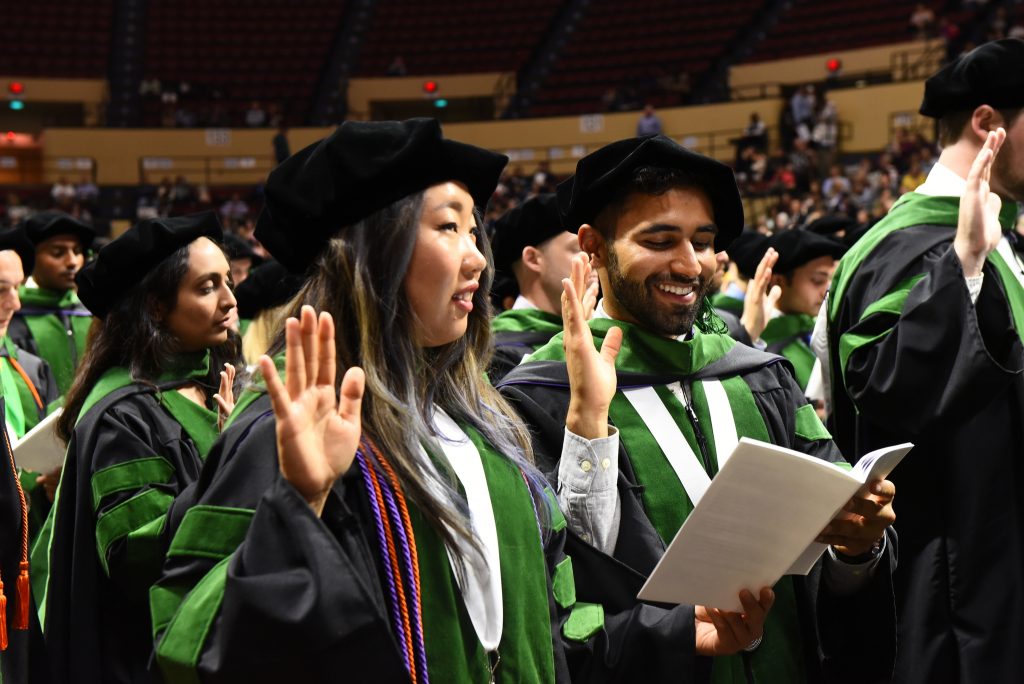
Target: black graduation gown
(948, 376)
(24, 661)
(97, 621)
(849, 639)
(509, 350)
(302, 596)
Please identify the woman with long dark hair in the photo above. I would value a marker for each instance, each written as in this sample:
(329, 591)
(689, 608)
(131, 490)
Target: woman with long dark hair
(139, 419)
(388, 525)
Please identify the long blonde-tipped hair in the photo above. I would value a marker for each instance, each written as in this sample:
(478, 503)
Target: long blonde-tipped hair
(358, 278)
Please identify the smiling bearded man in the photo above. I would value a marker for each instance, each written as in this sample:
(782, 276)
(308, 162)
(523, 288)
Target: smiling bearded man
(673, 391)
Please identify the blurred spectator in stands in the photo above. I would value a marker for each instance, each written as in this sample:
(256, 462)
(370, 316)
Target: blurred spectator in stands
(837, 182)
(184, 117)
(397, 67)
(927, 157)
(629, 98)
(676, 86)
(182, 194)
(862, 195)
(802, 159)
(235, 210)
(888, 176)
(922, 20)
(203, 200)
(149, 87)
(280, 143)
(825, 134)
(649, 123)
(783, 179)
(801, 107)
(86, 191)
(162, 197)
(542, 177)
(998, 24)
(949, 32)
(883, 204)
(275, 115)
(218, 117)
(63, 194)
(610, 99)
(913, 177)
(756, 132)
(255, 115)
(1016, 31)
(16, 211)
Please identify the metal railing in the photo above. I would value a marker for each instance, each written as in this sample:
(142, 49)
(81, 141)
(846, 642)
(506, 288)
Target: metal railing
(206, 170)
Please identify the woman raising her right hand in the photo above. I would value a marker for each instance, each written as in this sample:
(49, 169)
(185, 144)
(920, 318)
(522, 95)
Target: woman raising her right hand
(388, 525)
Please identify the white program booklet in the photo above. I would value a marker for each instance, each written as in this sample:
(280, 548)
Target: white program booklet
(40, 450)
(757, 522)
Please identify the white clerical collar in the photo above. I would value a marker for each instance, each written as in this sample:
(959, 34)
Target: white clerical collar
(942, 181)
(599, 312)
(523, 303)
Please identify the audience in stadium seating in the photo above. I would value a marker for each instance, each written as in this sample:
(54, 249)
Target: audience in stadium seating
(649, 123)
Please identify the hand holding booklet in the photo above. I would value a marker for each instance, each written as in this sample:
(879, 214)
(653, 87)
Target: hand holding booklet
(757, 522)
(40, 450)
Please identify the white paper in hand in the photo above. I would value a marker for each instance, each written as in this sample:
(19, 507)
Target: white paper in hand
(40, 450)
(760, 514)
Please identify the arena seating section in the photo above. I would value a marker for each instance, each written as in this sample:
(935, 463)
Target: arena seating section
(812, 26)
(616, 44)
(277, 52)
(56, 38)
(454, 36)
(249, 50)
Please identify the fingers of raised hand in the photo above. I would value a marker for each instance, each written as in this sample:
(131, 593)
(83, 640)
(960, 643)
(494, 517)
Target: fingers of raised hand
(350, 402)
(279, 396)
(612, 344)
(580, 272)
(327, 367)
(572, 309)
(590, 299)
(764, 268)
(981, 168)
(310, 344)
(294, 362)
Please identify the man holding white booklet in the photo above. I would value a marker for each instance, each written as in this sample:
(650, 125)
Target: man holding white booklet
(650, 217)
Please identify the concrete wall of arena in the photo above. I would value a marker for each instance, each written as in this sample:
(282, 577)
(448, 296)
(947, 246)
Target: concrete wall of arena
(243, 156)
(914, 56)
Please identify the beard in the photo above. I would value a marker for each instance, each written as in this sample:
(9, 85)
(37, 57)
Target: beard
(659, 318)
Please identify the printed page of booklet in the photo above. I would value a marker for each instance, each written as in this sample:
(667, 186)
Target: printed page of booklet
(757, 522)
(40, 450)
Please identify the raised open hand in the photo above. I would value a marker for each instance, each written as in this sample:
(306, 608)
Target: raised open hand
(591, 373)
(723, 633)
(760, 300)
(225, 398)
(317, 432)
(978, 231)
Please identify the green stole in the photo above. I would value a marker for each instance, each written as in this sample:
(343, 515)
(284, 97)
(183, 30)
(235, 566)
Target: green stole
(22, 410)
(527, 320)
(49, 333)
(720, 300)
(913, 209)
(454, 653)
(199, 422)
(780, 657)
(790, 329)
